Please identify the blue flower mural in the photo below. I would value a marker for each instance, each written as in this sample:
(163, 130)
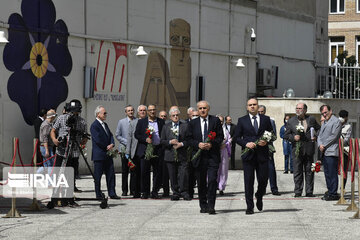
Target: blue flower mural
(39, 58)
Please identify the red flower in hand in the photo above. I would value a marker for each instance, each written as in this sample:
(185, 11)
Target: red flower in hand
(211, 135)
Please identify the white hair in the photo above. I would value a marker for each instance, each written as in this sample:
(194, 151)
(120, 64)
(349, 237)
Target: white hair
(141, 106)
(190, 109)
(97, 110)
(173, 110)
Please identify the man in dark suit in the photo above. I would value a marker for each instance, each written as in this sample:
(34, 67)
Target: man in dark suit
(207, 164)
(102, 141)
(249, 129)
(155, 162)
(173, 139)
(302, 162)
(230, 127)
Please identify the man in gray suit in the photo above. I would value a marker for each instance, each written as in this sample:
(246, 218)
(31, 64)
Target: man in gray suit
(328, 142)
(121, 135)
(303, 160)
(173, 139)
(131, 146)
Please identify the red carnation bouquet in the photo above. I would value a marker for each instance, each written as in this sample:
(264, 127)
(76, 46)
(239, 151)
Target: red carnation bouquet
(211, 136)
(131, 165)
(315, 167)
(149, 152)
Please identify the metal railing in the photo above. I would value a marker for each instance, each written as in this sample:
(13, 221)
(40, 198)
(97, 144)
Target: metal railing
(338, 81)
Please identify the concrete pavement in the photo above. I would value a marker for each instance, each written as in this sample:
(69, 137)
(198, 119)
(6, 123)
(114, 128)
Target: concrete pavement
(283, 217)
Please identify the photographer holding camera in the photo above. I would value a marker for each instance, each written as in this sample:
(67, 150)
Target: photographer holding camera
(69, 123)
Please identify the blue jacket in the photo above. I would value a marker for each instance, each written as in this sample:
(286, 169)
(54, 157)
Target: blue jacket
(286, 143)
(100, 141)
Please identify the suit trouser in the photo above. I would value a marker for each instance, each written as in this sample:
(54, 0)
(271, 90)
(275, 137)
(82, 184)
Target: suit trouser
(178, 173)
(262, 172)
(125, 171)
(207, 187)
(136, 176)
(302, 166)
(145, 175)
(346, 164)
(164, 175)
(192, 179)
(331, 174)
(232, 158)
(272, 175)
(104, 166)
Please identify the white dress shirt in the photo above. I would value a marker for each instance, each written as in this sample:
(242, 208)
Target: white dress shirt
(257, 119)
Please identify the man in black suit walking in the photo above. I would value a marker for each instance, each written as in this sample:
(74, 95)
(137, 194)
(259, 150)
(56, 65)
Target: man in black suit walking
(207, 164)
(143, 141)
(249, 129)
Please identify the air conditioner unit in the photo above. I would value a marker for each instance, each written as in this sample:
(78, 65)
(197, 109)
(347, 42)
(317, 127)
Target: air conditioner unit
(267, 78)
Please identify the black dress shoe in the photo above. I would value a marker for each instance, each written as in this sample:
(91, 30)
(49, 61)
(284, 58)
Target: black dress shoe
(144, 196)
(249, 211)
(221, 193)
(286, 172)
(115, 197)
(259, 204)
(291, 171)
(175, 198)
(136, 195)
(203, 210)
(124, 194)
(310, 195)
(155, 196)
(297, 195)
(187, 198)
(331, 198)
(276, 193)
(211, 211)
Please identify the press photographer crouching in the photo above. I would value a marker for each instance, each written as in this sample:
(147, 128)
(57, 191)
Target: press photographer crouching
(73, 128)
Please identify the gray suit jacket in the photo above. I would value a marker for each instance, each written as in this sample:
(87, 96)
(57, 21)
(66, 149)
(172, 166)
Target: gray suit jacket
(122, 131)
(308, 146)
(167, 135)
(132, 142)
(329, 136)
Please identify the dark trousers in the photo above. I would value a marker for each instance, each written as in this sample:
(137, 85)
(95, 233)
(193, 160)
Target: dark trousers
(192, 179)
(288, 160)
(272, 176)
(164, 176)
(331, 174)
(145, 175)
(135, 177)
(207, 187)
(107, 167)
(302, 166)
(125, 172)
(262, 172)
(178, 173)
(232, 157)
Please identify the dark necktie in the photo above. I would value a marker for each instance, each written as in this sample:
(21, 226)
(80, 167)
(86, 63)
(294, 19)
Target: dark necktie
(103, 124)
(205, 130)
(255, 124)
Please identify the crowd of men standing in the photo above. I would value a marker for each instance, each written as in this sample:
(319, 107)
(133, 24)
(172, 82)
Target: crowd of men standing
(199, 150)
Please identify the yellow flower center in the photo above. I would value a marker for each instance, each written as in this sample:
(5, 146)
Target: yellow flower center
(39, 59)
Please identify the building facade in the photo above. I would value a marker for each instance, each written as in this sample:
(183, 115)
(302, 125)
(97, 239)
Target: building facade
(344, 28)
(86, 49)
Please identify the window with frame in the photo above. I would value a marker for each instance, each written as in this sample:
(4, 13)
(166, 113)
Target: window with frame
(357, 49)
(358, 6)
(337, 6)
(337, 46)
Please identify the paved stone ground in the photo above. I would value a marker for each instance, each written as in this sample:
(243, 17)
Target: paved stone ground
(283, 217)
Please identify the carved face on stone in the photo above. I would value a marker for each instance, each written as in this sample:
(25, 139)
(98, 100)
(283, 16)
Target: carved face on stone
(180, 33)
